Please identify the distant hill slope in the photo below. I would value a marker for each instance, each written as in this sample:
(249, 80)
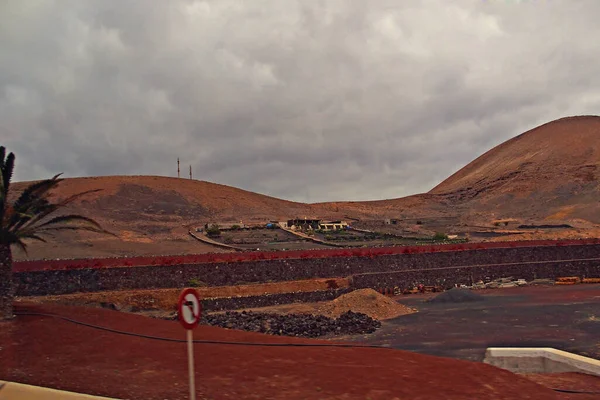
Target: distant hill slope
(550, 171)
(140, 197)
(152, 215)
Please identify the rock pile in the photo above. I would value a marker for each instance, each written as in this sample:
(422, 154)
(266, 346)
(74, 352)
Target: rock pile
(302, 325)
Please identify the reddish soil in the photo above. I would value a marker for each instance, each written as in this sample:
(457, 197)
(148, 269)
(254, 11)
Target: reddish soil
(166, 299)
(568, 381)
(55, 353)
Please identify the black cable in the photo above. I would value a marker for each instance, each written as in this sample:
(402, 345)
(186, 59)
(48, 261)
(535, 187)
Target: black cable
(202, 341)
(573, 391)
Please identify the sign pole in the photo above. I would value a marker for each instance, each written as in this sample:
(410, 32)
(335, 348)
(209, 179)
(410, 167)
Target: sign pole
(190, 347)
(189, 310)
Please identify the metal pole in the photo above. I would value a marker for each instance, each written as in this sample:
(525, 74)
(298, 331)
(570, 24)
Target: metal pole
(190, 348)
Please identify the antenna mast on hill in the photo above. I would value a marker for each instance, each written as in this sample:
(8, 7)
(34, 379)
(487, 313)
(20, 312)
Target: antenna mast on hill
(190, 172)
(178, 167)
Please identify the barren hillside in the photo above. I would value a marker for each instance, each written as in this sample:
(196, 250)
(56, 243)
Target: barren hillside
(548, 173)
(152, 215)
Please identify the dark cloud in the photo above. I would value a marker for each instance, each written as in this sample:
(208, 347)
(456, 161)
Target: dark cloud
(305, 100)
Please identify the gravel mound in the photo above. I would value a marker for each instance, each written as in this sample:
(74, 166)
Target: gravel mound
(303, 325)
(456, 295)
(365, 301)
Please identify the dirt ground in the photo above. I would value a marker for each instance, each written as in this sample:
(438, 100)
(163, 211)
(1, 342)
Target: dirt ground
(52, 352)
(366, 301)
(166, 299)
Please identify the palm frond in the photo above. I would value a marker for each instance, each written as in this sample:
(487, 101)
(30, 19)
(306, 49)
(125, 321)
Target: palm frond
(47, 209)
(3, 196)
(7, 171)
(75, 228)
(7, 165)
(32, 236)
(36, 190)
(20, 244)
(38, 209)
(89, 225)
(30, 215)
(67, 219)
(7, 237)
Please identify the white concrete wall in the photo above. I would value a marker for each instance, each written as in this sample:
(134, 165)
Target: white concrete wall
(540, 360)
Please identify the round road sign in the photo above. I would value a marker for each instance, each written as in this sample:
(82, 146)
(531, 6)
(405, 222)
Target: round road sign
(189, 308)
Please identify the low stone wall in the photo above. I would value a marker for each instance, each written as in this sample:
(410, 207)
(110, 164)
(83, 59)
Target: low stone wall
(236, 303)
(540, 361)
(431, 266)
(449, 276)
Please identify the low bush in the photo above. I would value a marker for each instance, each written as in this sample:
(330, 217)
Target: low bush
(213, 231)
(194, 282)
(439, 236)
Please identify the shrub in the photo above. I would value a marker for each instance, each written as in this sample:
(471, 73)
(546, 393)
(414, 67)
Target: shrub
(228, 239)
(235, 227)
(440, 236)
(213, 231)
(194, 282)
(419, 222)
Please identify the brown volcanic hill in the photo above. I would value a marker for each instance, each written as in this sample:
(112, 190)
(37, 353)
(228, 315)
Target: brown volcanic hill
(548, 172)
(150, 197)
(152, 215)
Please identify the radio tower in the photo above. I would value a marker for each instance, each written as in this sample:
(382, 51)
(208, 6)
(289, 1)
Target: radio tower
(190, 172)
(178, 167)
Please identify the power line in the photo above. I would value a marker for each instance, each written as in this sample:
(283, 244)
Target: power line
(202, 341)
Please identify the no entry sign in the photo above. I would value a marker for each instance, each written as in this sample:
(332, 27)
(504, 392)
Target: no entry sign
(189, 308)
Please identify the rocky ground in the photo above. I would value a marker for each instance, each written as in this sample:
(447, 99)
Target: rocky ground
(301, 325)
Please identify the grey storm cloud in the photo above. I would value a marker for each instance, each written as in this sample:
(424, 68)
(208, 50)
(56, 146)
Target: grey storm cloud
(305, 100)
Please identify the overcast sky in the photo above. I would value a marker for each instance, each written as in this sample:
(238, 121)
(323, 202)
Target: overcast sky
(303, 100)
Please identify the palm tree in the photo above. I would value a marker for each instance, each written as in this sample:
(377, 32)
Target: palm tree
(30, 216)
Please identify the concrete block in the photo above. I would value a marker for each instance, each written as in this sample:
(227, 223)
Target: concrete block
(540, 360)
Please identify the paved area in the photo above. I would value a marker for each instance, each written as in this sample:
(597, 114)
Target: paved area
(563, 317)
